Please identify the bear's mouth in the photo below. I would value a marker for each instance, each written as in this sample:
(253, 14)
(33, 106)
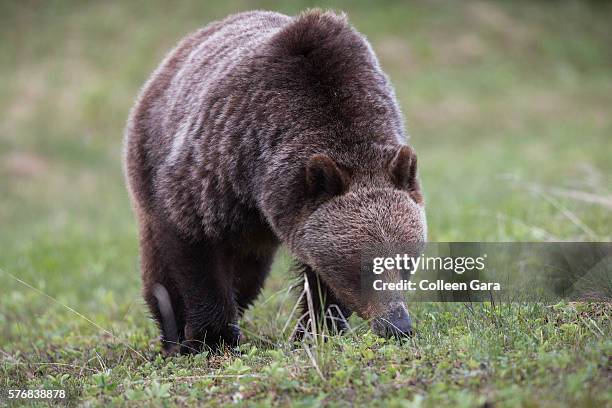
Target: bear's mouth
(395, 322)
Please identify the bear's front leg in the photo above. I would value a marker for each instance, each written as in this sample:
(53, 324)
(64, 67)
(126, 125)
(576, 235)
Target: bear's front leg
(208, 334)
(211, 312)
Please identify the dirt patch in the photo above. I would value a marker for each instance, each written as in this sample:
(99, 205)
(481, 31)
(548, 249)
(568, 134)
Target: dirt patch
(24, 164)
(462, 48)
(492, 18)
(450, 110)
(395, 51)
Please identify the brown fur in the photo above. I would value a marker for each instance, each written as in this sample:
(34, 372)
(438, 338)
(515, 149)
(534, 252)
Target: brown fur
(258, 130)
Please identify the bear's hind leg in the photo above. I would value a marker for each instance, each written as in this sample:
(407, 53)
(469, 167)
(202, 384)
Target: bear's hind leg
(167, 312)
(160, 292)
(199, 286)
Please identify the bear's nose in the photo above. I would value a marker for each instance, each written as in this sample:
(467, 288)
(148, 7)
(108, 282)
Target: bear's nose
(395, 323)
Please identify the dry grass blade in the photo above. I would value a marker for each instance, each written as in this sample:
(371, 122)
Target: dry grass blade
(313, 360)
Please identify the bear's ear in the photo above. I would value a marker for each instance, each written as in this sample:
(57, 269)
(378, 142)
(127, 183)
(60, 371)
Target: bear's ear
(323, 177)
(403, 169)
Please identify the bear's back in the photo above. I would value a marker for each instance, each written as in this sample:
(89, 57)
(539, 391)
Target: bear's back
(176, 99)
(209, 55)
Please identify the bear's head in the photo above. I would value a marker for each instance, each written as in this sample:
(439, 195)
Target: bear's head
(354, 219)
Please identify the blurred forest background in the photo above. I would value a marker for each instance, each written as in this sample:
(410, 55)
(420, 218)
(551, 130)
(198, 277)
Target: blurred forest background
(508, 105)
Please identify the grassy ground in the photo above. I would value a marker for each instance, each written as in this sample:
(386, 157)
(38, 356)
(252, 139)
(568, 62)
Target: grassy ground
(508, 105)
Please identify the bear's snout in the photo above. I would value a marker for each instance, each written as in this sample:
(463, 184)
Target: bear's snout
(394, 323)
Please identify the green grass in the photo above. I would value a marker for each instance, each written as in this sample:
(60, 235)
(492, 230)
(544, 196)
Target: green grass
(508, 106)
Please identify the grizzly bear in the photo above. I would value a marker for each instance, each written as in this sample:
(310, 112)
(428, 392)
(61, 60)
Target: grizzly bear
(261, 130)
